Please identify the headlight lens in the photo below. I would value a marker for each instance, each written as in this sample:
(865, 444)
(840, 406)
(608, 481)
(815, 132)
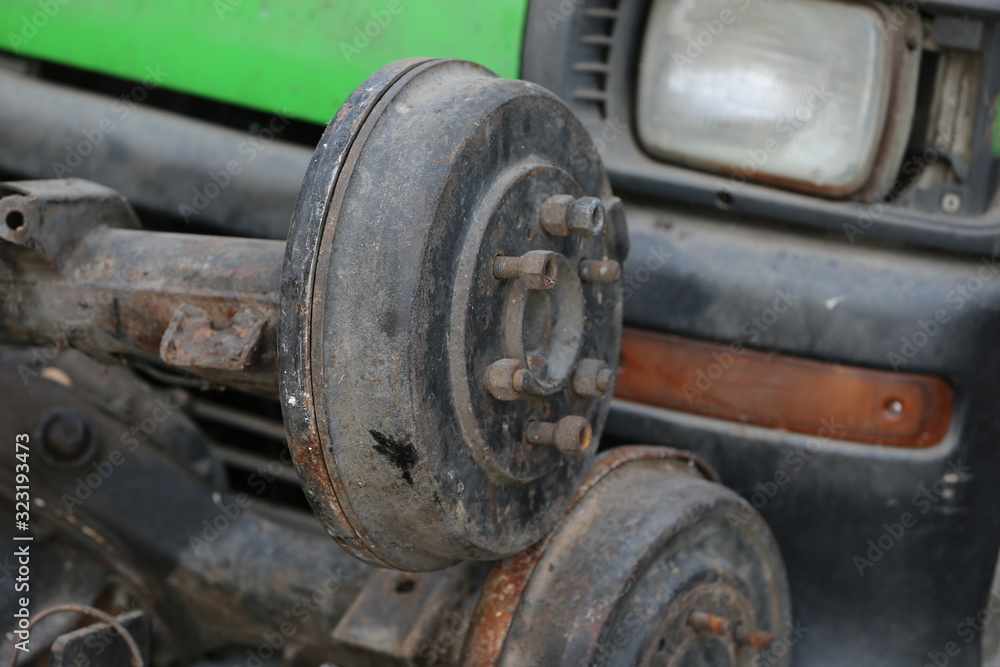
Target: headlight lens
(792, 92)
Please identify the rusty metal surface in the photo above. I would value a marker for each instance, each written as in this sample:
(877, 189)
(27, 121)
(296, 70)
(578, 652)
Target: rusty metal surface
(298, 403)
(74, 275)
(505, 585)
(396, 615)
(211, 568)
(191, 341)
(50, 217)
(682, 555)
(405, 453)
(408, 273)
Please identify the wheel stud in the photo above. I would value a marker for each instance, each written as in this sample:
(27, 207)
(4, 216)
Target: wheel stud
(562, 215)
(570, 435)
(505, 379)
(537, 269)
(723, 627)
(592, 378)
(599, 271)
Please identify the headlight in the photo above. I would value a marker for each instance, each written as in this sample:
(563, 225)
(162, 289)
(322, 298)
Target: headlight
(792, 92)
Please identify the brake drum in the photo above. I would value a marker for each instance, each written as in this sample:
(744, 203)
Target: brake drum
(656, 564)
(450, 320)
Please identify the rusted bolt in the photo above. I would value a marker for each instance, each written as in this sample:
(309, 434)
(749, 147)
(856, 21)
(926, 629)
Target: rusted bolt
(592, 378)
(710, 623)
(600, 271)
(585, 216)
(570, 435)
(67, 437)
(761, 639)
(505, 379)
(537, 269)
(552, 214)
(562, 215)
(723, 627)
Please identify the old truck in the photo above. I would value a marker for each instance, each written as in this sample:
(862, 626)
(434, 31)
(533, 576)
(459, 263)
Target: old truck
(586, 332)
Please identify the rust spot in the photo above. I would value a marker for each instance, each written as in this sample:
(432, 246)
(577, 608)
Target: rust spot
(192, 341)
(495, 610)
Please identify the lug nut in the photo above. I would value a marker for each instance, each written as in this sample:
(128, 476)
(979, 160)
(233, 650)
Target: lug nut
(723, 627)
(600, 271)
(505, 379)
(593, 378)
(562, 215)
(67, 437)
(570, 435)
(537, 269)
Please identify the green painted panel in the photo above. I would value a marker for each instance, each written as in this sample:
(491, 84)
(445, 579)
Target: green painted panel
(996, 127)
(298, 57)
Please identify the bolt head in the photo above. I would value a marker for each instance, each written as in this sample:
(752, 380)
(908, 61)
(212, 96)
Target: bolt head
(585, 216)
(538, 269)
(67, 438)
(951, 202)
(573, 435)
(552, 214)
(592, 378)
(505, 379)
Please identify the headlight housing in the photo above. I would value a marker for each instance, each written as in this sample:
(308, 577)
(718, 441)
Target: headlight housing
(789, 92)
(922, 172)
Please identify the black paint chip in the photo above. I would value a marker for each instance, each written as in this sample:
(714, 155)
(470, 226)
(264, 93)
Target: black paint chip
(399, 452)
